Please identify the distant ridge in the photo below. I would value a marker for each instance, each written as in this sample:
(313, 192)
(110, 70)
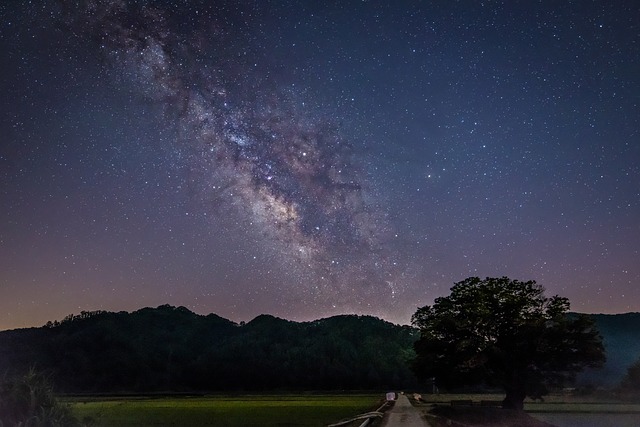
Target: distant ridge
(621, 337)
(173, 349)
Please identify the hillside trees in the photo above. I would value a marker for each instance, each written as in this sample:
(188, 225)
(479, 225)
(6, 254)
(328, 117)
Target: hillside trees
(172, 349)
(506, 333)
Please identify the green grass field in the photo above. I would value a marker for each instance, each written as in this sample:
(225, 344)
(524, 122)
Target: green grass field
(223, 411)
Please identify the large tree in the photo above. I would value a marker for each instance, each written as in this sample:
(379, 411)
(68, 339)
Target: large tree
(503, 332)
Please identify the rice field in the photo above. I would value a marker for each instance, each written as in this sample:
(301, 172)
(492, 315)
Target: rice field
(223, 411)
(561, 410)
(590, 419)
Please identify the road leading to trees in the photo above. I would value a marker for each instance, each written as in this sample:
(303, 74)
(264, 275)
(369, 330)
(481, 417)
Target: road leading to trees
(403, 414)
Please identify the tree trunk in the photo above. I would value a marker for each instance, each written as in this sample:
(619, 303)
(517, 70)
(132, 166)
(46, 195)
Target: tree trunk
(514, 399)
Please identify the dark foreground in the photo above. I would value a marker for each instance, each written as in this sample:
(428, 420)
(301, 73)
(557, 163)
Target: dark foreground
(441, 415)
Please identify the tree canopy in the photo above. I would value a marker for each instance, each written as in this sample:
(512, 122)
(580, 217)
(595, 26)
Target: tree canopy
(503, 332)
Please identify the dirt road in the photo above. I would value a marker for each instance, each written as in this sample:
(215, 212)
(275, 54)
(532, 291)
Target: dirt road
(403, 414)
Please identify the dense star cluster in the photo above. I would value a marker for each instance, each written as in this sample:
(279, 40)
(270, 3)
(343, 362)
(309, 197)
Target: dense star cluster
(312, 158)
(290, 172)
(285, 172)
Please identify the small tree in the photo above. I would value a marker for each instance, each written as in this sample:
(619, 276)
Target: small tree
(29, 401)
(506, 333)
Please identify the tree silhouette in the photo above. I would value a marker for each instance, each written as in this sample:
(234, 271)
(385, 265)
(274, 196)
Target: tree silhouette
(29, 400)
(506, 333)
(172, 349)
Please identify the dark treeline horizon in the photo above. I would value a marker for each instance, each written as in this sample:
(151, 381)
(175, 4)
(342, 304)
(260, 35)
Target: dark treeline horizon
(172, 349)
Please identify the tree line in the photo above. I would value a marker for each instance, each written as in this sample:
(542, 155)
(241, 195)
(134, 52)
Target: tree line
(173, 349)
(493, 332)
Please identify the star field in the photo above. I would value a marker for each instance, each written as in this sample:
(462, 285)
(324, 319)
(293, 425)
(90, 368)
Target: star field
(311, 158)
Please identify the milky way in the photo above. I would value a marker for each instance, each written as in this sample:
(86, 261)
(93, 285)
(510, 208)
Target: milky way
(287, 173)
(309, 158)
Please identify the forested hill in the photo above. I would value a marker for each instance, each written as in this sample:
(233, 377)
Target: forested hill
(173, 349)
(621, 337)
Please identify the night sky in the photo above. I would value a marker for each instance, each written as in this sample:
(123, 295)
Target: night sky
(310, 158)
